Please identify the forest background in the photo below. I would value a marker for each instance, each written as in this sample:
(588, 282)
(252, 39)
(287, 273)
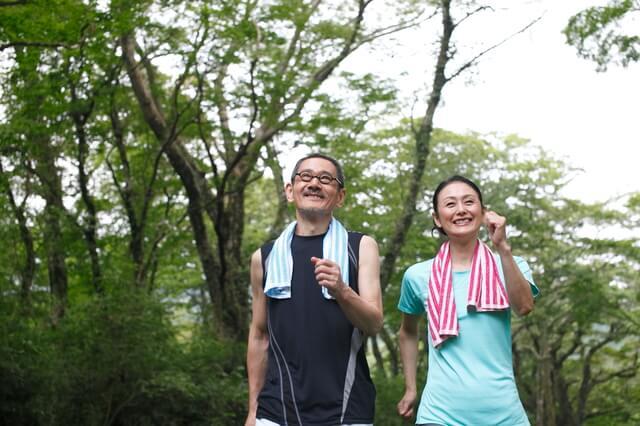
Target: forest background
(142, 146)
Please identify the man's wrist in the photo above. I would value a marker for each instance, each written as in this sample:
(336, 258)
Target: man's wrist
(340, 291)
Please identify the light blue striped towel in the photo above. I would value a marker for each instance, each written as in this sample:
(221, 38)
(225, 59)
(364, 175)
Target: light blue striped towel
(279, 264)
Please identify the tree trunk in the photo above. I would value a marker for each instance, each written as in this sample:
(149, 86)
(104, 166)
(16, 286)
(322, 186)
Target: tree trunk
(89, 229)
(422, 145)
(281, 214)
(130, 199)
(565, 412)
(394, 362)
(229, 229)
(377, 355)
(226, 280)
(53, 213)
(196, 189)
(545, 400)
(28, 270)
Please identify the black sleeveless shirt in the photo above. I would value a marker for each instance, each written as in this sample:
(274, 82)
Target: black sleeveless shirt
(317, 370)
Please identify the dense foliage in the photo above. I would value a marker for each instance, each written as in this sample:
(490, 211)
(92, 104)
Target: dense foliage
(139, 168)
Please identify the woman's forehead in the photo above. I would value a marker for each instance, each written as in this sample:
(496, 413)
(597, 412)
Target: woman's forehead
(457, 190)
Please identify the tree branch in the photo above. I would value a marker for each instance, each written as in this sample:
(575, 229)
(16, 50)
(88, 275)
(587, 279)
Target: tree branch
(13, 3)
(29, 269)
(284, 64)
(473, 12)
(473, 60)
(322, 73)
(32, 44)
(623, 373)
(392, 29)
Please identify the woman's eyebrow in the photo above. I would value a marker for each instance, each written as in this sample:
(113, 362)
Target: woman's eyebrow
(452, 197)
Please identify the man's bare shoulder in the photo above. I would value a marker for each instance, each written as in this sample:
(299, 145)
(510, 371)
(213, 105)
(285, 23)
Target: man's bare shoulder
(256, 255)
(368, 244)
(256, 266)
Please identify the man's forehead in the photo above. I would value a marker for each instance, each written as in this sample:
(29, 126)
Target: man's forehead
(316, 164)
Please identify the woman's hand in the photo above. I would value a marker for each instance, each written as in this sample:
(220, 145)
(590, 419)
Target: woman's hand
(405, 406)
(497, 228)
(518, 288)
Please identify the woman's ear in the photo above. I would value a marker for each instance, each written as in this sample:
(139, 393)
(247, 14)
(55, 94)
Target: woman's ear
(484, 216)
(435, 220)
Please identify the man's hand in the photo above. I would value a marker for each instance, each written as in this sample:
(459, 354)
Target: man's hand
(328, 275)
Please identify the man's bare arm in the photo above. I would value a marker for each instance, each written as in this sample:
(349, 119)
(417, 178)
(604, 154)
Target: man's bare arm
(258, 344)
(363, 309)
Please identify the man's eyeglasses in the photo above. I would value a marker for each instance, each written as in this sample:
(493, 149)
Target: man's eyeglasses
(325, 179)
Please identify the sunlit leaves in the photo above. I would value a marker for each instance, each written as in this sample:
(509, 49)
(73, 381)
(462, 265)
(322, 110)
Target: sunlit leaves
(606, 35)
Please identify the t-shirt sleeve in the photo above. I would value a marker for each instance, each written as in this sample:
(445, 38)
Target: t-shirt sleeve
(414, 289)
(526, 272)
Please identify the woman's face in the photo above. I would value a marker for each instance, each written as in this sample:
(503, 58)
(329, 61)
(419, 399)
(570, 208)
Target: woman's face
(460, 213)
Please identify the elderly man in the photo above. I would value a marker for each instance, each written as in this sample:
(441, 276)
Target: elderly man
(316, 294)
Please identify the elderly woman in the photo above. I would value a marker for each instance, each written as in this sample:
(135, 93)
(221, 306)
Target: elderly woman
(468, 293)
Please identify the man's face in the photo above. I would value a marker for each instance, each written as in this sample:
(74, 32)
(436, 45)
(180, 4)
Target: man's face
(313, 198)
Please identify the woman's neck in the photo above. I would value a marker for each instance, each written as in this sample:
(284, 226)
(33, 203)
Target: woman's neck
(462, 254)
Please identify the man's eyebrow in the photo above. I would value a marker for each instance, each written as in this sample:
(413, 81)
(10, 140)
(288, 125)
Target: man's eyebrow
(320, 172)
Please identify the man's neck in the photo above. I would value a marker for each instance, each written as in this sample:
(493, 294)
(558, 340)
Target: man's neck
(316, 226)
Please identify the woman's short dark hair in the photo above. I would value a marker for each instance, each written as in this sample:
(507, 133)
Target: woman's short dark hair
(444, 184)
(339, 172)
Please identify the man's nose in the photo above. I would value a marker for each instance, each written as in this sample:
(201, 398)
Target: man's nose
(314, 182)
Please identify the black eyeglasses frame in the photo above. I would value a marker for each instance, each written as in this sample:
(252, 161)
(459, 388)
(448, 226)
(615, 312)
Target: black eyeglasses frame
(308, 177)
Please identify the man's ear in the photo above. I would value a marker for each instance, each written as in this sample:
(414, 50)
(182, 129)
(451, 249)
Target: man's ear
(288, 191)
(342, 193)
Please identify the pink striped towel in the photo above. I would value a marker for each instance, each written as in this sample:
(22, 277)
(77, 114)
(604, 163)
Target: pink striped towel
(486, 292)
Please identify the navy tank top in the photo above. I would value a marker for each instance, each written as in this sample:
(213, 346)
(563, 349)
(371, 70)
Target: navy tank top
(317, 370)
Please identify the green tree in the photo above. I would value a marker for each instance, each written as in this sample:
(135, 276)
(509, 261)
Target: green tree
(265, 62)
(606, 34)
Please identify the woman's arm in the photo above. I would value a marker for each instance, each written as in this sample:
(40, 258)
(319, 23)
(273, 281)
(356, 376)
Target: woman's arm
(408, 341)
(518, 288)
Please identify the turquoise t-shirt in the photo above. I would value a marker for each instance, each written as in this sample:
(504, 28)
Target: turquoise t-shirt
(470, 378)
